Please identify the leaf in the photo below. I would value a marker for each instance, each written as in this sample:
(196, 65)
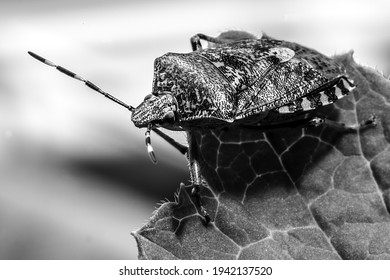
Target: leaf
(315, 193)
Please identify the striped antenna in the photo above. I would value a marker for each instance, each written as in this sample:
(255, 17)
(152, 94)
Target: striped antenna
(109, 96)
(149, 144)
(77, 77)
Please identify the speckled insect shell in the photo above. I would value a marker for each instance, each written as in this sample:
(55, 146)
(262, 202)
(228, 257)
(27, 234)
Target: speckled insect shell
(245, 80)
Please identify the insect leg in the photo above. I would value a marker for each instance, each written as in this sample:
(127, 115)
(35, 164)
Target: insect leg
(194, 165)
(224, 37)
(317, 121)
(181, 148)
(196, 177)
(195, 41)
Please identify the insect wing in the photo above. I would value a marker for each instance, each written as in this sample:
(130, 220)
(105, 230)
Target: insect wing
(337, 87)
(320, 62)
(294, 85)
(243, 63)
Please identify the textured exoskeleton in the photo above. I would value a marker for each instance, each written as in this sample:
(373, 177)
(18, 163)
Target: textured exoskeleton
(251, 82)
(238, 81)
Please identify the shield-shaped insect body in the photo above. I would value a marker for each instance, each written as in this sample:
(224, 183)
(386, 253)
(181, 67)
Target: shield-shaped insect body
(251, 82)
(245, 82)
(239, 83)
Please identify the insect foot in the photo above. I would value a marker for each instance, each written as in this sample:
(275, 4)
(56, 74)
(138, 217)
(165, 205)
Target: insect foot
(371, 121)
(196, 194)
(315, 122)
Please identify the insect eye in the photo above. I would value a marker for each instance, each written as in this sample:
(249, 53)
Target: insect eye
(148, 97)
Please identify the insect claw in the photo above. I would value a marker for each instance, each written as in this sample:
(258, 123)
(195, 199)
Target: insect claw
(206, 216)
(371, 120)
(316, 121)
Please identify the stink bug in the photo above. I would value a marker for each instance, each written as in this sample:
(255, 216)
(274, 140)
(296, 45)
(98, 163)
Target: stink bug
(241, 81)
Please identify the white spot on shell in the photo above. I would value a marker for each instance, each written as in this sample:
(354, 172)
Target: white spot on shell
(283, 54)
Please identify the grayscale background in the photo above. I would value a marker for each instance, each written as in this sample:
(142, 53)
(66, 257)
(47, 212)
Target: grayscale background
(75, 178)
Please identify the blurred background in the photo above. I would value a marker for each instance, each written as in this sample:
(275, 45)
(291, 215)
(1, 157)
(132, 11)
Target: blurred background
(75, 178)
